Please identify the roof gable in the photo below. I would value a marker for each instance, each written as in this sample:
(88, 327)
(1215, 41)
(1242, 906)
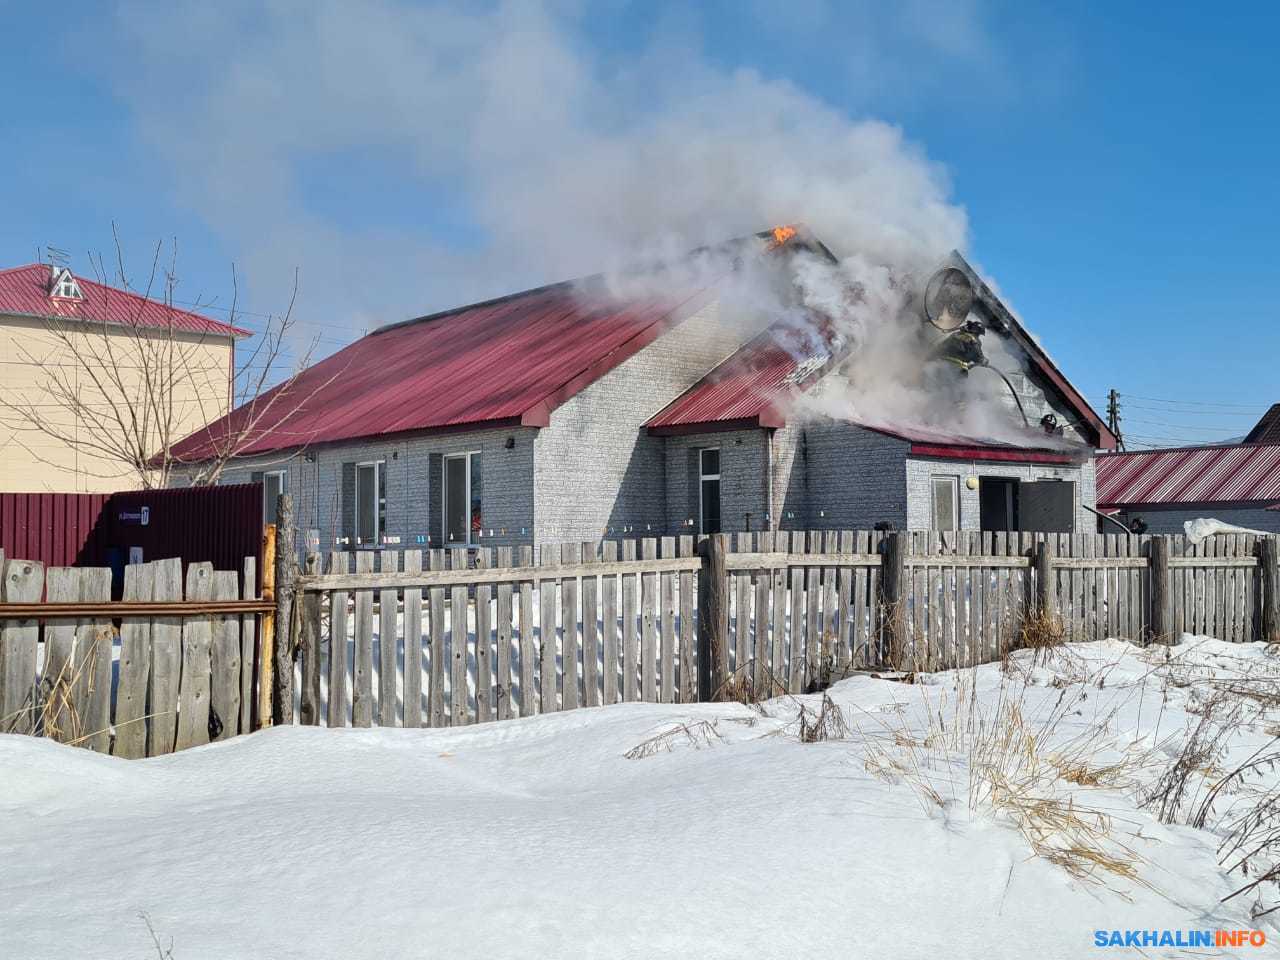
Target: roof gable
(1266, 430)
(754, 386)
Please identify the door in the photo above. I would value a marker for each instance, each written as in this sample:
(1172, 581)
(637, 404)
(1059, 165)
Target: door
(1047, 506)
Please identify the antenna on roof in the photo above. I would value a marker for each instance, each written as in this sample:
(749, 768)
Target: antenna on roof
(56, 257)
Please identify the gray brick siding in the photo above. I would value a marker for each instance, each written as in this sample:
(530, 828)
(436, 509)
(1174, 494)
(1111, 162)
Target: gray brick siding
(1160, 520)
(921, 470)
(598, 472)
(742, 480)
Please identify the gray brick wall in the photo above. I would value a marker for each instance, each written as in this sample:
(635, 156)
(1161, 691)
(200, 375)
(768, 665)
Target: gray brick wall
(507, 510)
(742, 480)
(920, 471)
(597, 471)
(1171, 521)
(855, 478)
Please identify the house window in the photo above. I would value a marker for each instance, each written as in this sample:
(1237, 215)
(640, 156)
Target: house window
(946, 503)
(371, 502)
(65, 287)
(709, 490)
(274, 483)
(463, 494)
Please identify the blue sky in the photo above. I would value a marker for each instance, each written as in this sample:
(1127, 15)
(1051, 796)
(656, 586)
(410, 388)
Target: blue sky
(1111, 166)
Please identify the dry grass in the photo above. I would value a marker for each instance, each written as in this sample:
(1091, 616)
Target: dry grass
(827, 724)
(697, 734)
(1040, 632)
(994, 760)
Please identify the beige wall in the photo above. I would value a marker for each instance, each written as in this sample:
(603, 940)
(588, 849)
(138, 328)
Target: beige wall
(31, 460)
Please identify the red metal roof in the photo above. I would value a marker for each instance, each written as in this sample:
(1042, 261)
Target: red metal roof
(745, 389)
(24, 291)
(1219, 474)
(507, 361)
(754, 387)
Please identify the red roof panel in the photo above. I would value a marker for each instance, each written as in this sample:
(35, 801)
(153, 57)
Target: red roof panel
(1191, 475)
(508, 360)
(24, 291)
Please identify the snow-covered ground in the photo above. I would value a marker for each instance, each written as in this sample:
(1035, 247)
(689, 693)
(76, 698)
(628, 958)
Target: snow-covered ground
(643, 830)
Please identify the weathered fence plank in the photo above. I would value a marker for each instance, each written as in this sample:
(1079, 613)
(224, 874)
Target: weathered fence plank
(249, 624)
(58, 718)
(193, 688)
(797, 665)
(547, 700)
(336, 715)
(459, 628)
(609, 623)
(413, 643)
(224, 662)
(166, 661)
(308, 645)
(569, 555)
(362, 665)
(688, 629)
(649, 624)
(484, 640)
(630, 637)
(388, 641)
(528, 649)
(503, 677)
(666, 637)
(760, 647)
(437, 715)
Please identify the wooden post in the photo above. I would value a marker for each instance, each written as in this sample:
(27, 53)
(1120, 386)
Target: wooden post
(1161, 592)
(285, 647)
(1046, 591)
(713, 594)
(1269, 567)
(309, 713)
(266, 654)
(893, 608)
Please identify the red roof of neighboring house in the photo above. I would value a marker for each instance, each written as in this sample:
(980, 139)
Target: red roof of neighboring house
(509, 361)
(1219, 474)
(24, 291)
(1266, 430)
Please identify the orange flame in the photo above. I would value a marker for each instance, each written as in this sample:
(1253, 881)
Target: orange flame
(782, 234)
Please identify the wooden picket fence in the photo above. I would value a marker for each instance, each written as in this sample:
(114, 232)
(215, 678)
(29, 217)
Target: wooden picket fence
(407, 638)
(158, 671)
(465, 636)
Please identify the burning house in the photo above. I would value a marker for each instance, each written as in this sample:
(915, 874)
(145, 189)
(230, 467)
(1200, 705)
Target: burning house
(762, 385)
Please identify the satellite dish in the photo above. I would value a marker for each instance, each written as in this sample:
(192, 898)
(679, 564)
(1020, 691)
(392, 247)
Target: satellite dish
(948, 298)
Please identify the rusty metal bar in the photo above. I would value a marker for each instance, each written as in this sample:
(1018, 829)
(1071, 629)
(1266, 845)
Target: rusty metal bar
(131, 608)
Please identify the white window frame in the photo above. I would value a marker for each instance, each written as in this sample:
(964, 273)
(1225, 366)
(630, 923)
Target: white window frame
(708, 476)
(954, 483)
(378, 507)
(466, 456)
(66, 287)
(284, 486)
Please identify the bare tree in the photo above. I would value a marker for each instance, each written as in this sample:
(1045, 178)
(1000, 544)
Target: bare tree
(121, 393)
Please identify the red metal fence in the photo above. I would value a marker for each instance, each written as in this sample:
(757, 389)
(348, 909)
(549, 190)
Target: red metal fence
(221, 525)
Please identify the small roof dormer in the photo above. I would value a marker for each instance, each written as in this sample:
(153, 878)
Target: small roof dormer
(63, 284)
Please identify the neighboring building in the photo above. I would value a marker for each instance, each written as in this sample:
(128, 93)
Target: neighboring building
(1266, 430)
(104, 323)
(557, 415)
(1235, 483)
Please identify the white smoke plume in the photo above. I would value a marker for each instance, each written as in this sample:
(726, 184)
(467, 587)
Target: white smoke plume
(516, 154)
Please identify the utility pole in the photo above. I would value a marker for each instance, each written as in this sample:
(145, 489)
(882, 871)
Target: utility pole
(1113, 416)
